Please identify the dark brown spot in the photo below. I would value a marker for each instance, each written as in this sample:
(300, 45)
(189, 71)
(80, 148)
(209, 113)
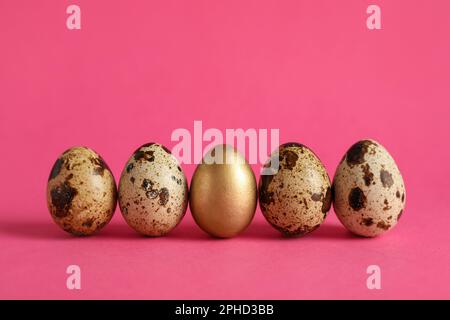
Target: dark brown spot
(150, 192)
(56, 169)
(326, 201)
(69, 177)
(355, 155)
(130, 167)
(386, 178)
(305, 203)
(290, 158)
(383, 225)
(132, 179)
(386, 205)
(403, 197)
(367, 222)
(99, 165)
(144, 155)
(397, 194)
(368, 175)
(178, 181)
(163, 196)
(88, 223)
(98, 171)
(169, 210)
(62, 197)
(179, 168)
(265, 197)
(153, 193)
(147, 184)
(316, 197)
(357, 199)
(300, 231)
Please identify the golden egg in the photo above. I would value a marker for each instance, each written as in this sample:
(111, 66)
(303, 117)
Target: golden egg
(223, 193)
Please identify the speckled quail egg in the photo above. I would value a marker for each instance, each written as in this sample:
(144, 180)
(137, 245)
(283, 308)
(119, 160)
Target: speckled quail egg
(369, 193)
(81, 191)
(153, 191)
(296, 197)
(223, 193)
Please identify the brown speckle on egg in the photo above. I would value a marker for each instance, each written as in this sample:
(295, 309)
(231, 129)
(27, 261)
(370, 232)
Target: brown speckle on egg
(367, 221)
(130, 167)
(386, 178)
(383, 225)
(163, 196)
(357, 199)
(300, 231)
(144, 155)
(386, 205)
(355, 155)
(368, 175)
(290, 158)
(88, 223)
(62, 197)
(326, 201)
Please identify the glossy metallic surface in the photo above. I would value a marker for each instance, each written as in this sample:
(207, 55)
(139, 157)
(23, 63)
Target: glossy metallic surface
(223, 195)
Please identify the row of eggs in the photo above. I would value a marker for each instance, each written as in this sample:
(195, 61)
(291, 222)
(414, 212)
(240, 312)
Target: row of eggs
(367, 192)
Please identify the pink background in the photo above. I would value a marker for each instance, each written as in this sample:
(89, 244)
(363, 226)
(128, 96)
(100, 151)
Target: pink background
(140, 69)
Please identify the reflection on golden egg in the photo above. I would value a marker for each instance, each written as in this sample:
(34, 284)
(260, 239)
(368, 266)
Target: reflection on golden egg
(223, 193)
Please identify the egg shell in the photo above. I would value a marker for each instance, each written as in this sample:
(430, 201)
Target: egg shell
(81, 192)
(369, 192)
(153, 191)
(223, 193)
(295, 200)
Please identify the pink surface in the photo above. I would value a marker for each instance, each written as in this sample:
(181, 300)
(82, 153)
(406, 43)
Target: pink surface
(138, 70)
